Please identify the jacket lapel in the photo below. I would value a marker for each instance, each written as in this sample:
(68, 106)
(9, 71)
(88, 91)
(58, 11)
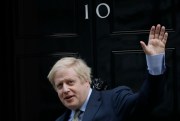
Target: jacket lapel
(92, 106)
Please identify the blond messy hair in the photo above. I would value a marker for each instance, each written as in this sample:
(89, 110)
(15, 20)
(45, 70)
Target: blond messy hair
(77, 64)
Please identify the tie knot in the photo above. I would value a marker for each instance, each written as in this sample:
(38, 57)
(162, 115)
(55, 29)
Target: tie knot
(77, 114)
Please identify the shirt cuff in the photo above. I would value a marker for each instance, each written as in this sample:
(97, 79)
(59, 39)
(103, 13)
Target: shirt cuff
(156, 64)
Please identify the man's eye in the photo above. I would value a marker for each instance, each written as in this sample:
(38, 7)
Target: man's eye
(71, 82)
(59, 86)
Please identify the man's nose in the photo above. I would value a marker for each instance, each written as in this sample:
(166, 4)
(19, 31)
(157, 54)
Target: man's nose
(65, 88)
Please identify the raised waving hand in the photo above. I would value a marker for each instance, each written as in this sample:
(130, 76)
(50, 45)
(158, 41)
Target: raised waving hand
(157, 41)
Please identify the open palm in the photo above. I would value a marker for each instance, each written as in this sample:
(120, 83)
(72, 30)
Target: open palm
(157, 41)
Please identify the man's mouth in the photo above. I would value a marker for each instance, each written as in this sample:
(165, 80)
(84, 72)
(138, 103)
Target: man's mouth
(68, 98)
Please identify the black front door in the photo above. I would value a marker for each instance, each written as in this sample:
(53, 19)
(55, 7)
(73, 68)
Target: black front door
(106, 34)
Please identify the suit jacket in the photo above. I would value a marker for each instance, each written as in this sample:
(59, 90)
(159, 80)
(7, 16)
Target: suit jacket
(120, 103)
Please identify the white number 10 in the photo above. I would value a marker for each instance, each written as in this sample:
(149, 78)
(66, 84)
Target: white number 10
(97, 11)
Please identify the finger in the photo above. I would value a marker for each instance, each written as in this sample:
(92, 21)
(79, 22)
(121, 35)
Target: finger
(161, 35)
(164, 40)
(157, 30)
(152, 31)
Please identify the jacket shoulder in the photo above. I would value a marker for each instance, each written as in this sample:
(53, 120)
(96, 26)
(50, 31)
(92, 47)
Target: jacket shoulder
(122, 88)
(64, 116)
(60, 118)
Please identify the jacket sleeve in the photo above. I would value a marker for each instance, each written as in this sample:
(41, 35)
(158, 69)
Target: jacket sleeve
(149, 96)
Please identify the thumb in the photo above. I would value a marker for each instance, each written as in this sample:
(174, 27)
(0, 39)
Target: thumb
(143, 45)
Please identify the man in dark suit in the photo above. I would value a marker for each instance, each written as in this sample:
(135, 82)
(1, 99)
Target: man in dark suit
(71, 78)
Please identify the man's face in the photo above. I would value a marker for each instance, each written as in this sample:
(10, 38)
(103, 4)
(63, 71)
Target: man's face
(71, 90)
